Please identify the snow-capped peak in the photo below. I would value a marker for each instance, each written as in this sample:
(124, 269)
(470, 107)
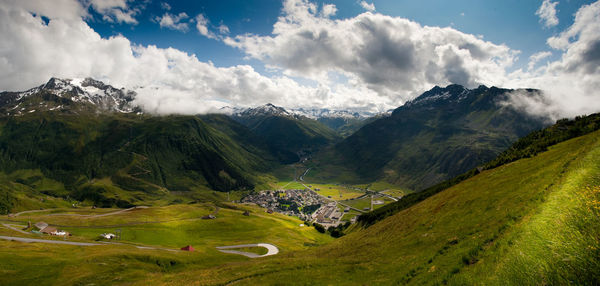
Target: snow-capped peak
(267, 109)
(67, 93)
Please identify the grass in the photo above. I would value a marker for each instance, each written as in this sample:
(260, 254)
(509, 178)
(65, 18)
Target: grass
(469, 234)
(336, 192)
(179, 225)
(533, 221)
(359, 203)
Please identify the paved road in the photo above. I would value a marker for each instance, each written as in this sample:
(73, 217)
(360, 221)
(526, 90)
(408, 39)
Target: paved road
(271, 249)
(23, 239)
(14, 228)
(79, 215)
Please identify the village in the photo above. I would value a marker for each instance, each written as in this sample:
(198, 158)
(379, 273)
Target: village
(305, 204)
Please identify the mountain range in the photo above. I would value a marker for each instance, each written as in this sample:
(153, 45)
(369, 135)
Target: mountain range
(92, 139)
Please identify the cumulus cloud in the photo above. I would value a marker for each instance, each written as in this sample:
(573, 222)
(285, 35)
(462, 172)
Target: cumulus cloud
(174, 22)
(115, 11)
(167, 80)
(328, 10)
(370, 62)
(547, 13)
(571, 83)
(367, 6)
(394, 57)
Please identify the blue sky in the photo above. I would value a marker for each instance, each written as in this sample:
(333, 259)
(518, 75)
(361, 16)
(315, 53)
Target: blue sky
(511, 22)
(192, 57)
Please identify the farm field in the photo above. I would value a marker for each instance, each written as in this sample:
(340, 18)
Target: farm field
(335, 192)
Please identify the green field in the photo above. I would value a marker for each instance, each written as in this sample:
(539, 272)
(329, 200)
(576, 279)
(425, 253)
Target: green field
(335, 192)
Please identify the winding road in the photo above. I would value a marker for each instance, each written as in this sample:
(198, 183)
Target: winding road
(271, 249)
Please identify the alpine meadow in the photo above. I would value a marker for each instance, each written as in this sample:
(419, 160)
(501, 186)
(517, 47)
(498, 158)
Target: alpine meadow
(299, 142)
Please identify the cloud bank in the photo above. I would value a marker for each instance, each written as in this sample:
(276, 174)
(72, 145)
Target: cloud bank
(394, 57)
(571, 84)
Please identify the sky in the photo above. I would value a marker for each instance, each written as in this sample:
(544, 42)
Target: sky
(191, 57)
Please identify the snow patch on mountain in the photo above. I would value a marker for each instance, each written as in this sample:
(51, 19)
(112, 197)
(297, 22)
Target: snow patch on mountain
(78, 90)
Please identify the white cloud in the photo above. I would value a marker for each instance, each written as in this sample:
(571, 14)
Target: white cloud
(547, 13)
(223, 29)
(535, 58)
(395, 58)
(115, 11)
(367, 6)
(174, 22)
(202, 26)
(370, 61)
(571, 83)
(328, 10)
(167, 80)
(165, 6)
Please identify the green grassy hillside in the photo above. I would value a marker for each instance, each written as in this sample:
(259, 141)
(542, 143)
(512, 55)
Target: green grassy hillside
(495, 228)
(119, 159)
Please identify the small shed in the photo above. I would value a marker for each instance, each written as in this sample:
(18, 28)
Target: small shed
(187, 248)
(209, 217)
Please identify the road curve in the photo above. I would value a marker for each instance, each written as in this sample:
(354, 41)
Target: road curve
(271, 249)
(23, 239)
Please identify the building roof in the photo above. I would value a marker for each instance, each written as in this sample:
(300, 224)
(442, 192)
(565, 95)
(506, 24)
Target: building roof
(49, 229)
(187, 248)
(41, 225)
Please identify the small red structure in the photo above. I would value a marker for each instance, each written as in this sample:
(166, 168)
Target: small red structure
(187, 248)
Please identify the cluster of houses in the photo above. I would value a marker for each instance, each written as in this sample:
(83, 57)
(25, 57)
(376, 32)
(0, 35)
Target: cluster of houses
(280, 201)
(42, 227)
(329, 215)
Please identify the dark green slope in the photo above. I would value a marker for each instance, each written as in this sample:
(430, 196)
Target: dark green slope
(439, 135)
(347, 126)
(94, 156)
(285, 134)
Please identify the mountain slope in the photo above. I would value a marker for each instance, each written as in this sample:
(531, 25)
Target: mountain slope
(286, 134)
(496, 228)
(146, 156)
(442, 133)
